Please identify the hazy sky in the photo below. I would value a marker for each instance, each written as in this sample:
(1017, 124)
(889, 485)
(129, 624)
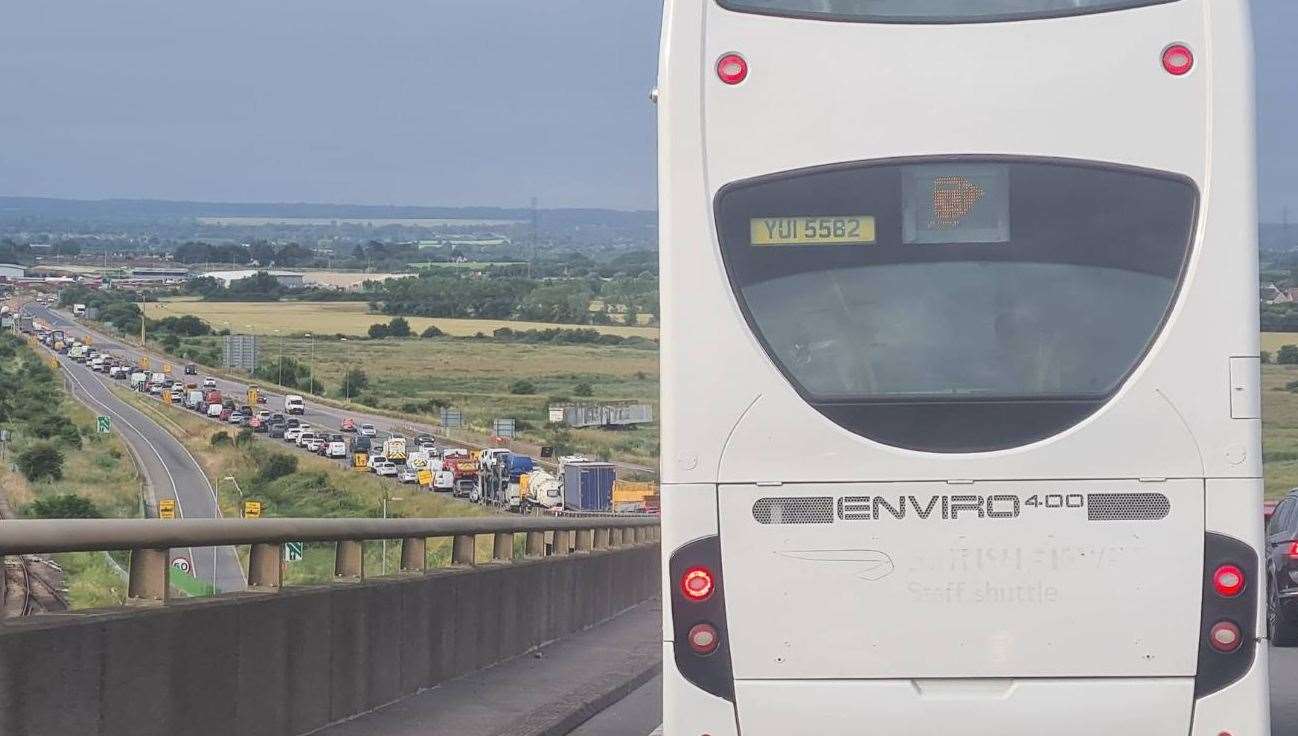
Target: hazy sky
(429, 102)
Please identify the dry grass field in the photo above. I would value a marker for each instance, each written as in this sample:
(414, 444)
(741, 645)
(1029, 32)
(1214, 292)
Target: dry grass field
(346, 318)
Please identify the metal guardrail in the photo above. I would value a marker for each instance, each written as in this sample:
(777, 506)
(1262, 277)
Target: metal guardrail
(150, 541)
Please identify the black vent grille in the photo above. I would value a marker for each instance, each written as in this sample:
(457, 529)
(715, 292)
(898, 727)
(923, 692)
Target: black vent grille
(1127, 506)
(815, 510)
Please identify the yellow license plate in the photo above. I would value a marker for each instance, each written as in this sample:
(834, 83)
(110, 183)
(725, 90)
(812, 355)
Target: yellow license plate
(818, 230)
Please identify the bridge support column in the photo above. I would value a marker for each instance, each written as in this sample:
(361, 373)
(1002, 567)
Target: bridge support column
(414, 555)
(615, 537)
(148, 576)
(349, 561)
(502, 550)
(265, 567)
(535, 544)
(585, 540)
(462, 549)
(601, 539)
(562, 542)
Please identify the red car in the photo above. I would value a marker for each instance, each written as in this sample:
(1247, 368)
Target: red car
(349, 425)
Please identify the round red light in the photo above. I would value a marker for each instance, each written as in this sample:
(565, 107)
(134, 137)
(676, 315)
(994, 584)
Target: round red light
(1228, 580)
(703, 639)
(697, 583)
(732, 68)
(1178, 59)
(1225, 636)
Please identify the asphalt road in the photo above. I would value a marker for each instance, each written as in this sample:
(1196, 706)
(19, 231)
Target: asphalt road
(170, 470)
(1284, 691)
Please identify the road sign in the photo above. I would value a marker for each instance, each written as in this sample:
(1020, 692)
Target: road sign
(166, 396)
(547, 451)
(360, 460)
(425, 477)
(293, 551)
(181, 564)
(166, 367)
(103, 425)
(167, 508)
(503, 428)
(452, 418)
(143, 363)
(252, 509)
(87, 340)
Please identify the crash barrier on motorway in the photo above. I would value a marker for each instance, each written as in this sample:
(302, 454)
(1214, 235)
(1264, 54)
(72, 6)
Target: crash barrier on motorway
(287, 661)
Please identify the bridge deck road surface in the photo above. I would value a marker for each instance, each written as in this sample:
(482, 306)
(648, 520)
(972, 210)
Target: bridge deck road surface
(317, 415)
(172, 472)
(1284, 691)
(573, 679)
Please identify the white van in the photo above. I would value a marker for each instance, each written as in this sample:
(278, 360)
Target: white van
(214, 410)
(294, 404)
(444, 480)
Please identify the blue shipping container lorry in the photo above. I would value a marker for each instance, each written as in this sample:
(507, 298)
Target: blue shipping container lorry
(518, 465)
(588, 486)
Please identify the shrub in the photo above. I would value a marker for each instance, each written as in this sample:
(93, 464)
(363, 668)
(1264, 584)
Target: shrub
(583, 389)
(244, 438)
(399, 327)
(1288, 355)
(63, 506)
(431, 331)
(220, 438)
(522, 387)
(379, 330)
(276, 465)
(1266, 357)
(41, 460)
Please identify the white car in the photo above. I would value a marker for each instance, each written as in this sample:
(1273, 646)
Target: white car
(368, 430)
(375, 459)
(385, 467)
(407, 474)
(292, 433)
(155, 389)
(209, 382)
(305, 437)
(314, 444)
(235, 418)
(337, 449)
(264, 415)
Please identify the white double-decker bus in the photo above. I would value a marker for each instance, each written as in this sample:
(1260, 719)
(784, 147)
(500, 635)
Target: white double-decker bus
(960, 368)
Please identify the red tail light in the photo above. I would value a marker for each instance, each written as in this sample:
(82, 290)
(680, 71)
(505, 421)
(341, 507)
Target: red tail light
(703, 639)
(1225, 636)
(697, 583)
(1293, 550)
(732, 68)
(1178, 60)
(1228, 581)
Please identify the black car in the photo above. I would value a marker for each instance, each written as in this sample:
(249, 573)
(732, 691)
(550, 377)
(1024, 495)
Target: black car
(361, 443)
(276, 429)
(1282, 572)
(191, 369)
(424, 439)
(293, 422)
(277, 418)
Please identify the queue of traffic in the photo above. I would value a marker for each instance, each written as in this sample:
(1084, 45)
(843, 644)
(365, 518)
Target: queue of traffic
(495, 476)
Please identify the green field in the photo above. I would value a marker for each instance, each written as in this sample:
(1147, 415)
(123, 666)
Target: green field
(346, 318)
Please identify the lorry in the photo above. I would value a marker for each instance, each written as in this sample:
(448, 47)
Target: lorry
(394, 449)
(588, 486)
(158, 379)
(79, 310)
(465, 472)
(26, 324)
(541, 489)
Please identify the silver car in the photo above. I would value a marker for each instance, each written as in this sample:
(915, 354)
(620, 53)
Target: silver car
(407, 474)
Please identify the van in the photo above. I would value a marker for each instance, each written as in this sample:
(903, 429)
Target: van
(214, 410)
(158, 379)
(294, 404)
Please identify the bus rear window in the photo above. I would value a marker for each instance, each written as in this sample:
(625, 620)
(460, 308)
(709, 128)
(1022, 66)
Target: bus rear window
(957, 281)
(931, 11)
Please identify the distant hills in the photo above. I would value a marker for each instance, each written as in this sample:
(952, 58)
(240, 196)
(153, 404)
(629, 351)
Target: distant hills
(136, 210)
